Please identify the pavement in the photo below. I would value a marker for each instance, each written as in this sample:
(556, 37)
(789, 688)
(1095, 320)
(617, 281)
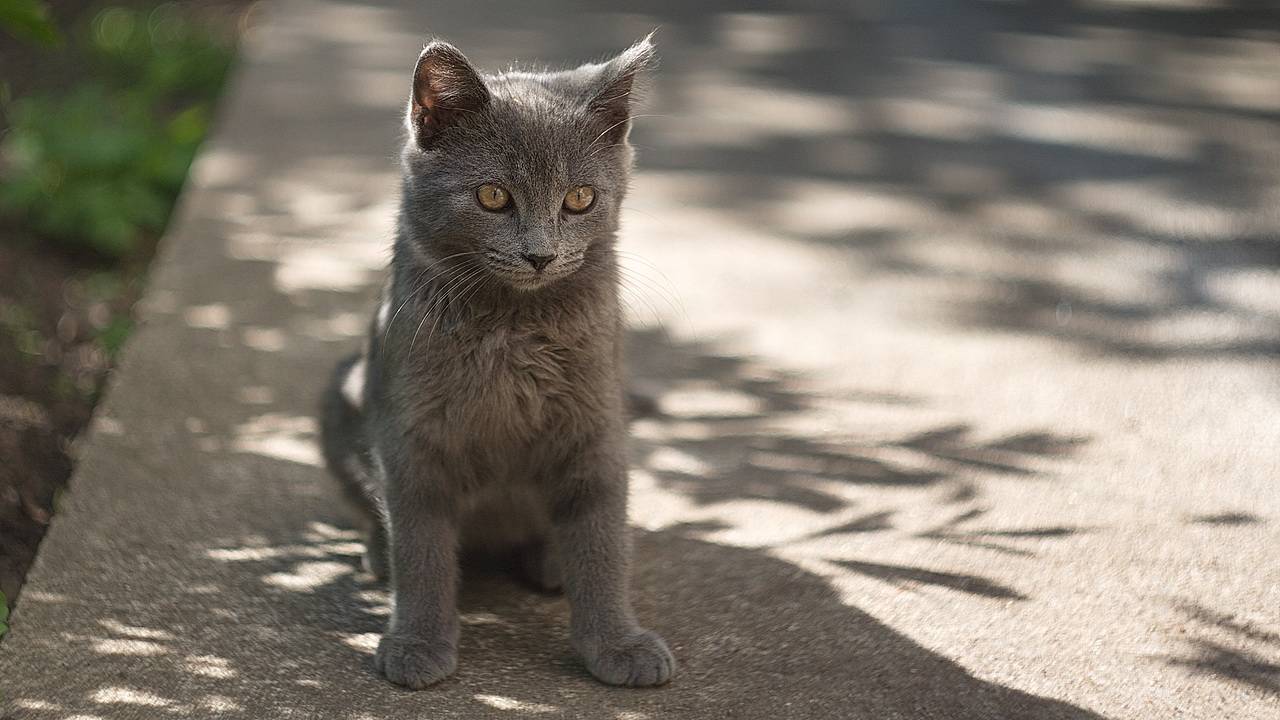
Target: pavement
(961, 321)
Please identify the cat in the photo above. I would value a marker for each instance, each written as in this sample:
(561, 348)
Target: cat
(487, 408)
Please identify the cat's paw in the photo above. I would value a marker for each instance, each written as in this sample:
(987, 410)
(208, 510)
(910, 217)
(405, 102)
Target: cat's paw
(414, 663)
(637, 660)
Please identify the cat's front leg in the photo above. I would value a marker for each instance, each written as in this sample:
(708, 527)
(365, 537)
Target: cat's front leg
(590, 519)
(420, 646)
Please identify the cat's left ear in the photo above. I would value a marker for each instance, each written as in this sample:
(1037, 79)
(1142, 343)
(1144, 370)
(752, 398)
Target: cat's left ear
(445, 88)
(612, 92)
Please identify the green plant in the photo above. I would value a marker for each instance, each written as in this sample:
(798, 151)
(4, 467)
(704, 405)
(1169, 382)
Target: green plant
(101, 164)
(95, 167)
(28, 19)
(18, 324)
(161, 54)
(111, 338)
(4, 615)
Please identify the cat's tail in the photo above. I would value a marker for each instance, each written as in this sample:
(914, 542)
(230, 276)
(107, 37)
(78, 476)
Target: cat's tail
(345, 445)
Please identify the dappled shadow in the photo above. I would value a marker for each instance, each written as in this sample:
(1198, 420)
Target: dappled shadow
(265, 610)
(716, 435)
(899, 574)
(1230, 648)
(1001, 541)
(782, 645)
(1101, 175)
(1227, 518)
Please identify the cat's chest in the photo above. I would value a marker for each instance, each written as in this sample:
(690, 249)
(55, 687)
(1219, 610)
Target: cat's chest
(512, 384)
(515, 364)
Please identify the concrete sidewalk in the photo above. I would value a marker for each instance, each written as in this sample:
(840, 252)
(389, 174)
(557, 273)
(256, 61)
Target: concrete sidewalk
(963, 323)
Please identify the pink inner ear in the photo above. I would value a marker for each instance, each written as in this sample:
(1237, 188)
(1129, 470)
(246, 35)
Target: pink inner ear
(444, 80)
(424, 93)
(445, 89)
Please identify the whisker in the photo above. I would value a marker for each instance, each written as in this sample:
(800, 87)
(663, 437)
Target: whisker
(436, 307)
(652, 286)
(447, 279)
(442, 295)
(438, 302)
(432, 332)
(418, 286)
(650, 264)
(603, 148)
(631, 310)
(625, 120)
(646, 213)
(639, 297)
(669, 292)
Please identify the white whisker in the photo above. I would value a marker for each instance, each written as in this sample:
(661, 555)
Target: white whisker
(439, 301)
(386, 331)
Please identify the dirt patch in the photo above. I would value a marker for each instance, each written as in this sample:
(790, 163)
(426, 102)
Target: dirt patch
(34, 466)
(57, 311)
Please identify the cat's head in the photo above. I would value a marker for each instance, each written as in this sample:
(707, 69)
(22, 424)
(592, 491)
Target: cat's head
(519, 173)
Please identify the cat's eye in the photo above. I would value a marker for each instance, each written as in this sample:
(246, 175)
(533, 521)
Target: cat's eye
(493, 197)
(580, 199)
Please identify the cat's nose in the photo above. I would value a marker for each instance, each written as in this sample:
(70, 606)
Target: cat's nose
(538, 261)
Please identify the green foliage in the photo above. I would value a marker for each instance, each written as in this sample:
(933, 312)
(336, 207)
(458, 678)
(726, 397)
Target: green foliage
(29, 20)
(104, 287)
(4, 615)
(112, 337)
(18, 324)
(159, 54)
(94, 167)
(100, 164)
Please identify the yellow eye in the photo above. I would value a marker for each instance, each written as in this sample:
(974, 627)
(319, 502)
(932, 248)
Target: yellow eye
(492, 197)
(579, 199)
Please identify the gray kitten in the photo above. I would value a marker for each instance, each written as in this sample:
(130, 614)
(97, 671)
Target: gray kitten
(486, 411)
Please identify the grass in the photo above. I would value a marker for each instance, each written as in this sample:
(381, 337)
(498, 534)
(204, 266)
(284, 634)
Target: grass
(98, 166)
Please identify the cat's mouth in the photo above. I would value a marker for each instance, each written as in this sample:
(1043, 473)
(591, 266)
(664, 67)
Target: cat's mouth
(526, 274)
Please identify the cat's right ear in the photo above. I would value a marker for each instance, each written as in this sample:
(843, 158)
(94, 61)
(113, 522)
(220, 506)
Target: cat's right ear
(445, 88)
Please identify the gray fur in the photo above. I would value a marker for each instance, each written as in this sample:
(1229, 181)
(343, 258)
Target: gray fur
(492, 408)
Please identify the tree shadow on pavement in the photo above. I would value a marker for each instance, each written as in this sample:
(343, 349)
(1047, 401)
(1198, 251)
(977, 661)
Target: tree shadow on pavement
(1095, 174)
(716, 435)
(1230, 648)
(292, 628)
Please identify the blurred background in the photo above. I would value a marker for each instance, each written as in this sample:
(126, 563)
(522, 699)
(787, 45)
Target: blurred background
(102, 108)
(959, 322)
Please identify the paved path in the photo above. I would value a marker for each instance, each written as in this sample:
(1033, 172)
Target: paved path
(963, 323)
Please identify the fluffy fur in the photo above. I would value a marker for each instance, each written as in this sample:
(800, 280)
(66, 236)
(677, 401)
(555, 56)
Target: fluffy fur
(486, 410)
